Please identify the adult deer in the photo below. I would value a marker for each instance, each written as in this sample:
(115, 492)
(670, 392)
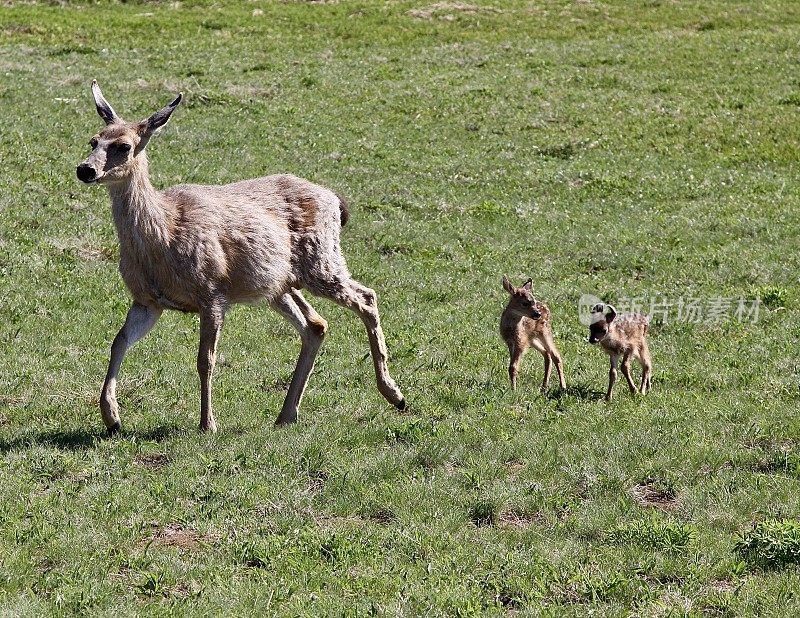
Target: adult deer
(202, 248)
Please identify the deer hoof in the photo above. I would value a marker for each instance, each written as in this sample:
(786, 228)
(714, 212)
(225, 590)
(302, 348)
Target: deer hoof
(114, 429)
(401, 405)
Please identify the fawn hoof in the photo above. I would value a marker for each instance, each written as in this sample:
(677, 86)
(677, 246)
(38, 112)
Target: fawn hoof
(401, 405)
(114, 429)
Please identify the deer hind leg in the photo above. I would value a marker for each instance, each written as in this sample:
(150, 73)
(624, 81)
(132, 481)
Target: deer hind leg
(541, 346)
(363, 301)
(551, 356)
(626, 371)
(312, 328)
(647, 367)
(211, 319)
(562, 383)
(139, 322)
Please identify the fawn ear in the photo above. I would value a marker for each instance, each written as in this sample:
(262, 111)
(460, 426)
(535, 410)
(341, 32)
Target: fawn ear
(528, 285)
(611, 313)
(104, 108)
(507, 285)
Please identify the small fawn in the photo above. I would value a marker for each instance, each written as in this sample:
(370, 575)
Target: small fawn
(525, 323)
(622, 334)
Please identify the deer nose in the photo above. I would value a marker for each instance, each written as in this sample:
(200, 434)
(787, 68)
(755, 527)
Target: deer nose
(86, 173)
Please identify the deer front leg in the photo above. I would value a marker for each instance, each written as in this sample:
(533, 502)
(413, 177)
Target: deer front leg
(515, 352)
(548, 365)
(626, 371)
(612, 376)
(139, 322)
(211, 319)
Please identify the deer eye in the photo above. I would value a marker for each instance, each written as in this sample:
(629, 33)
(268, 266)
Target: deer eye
(123, 147)
(93, 143)
(525, 303)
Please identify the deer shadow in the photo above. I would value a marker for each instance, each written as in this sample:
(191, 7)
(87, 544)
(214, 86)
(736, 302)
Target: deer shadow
(581, 391)
(83, 439)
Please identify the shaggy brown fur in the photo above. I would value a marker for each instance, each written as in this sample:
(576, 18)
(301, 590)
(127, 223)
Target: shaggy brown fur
(525, 323)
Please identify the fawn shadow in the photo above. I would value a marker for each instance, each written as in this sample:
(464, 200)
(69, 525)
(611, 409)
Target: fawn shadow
(82, 439)
(581, 391)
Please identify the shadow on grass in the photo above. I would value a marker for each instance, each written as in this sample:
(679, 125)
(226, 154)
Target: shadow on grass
(584, 392)
(83, 439)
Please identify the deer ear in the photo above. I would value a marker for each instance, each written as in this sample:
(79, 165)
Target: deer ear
(148, 127)
(507, 285)
(104, 108)
(160, 118)
(528, 285)
(611, 313)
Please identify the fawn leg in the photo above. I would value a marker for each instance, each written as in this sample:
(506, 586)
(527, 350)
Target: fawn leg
(626, 371)
(612, 377)
(515, 352)
(647, 367)
(554, 354)
(548, 364)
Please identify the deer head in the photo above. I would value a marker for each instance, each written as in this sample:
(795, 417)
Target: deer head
(522, 302)
(602, 317)
(116, 147)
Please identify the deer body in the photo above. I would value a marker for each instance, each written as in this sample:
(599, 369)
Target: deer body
(249, 241)
(201, 248)
(623, 336)
(525, 324)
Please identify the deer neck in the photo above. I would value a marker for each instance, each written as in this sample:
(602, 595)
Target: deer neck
(142, 215)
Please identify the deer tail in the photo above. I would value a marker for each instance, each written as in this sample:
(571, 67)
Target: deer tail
(344, 213)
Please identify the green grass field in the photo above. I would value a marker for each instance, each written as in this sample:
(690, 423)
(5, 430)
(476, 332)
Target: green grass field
(624, 149)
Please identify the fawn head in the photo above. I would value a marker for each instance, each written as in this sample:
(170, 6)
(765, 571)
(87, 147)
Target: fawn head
(115, 148)
(522, 302)
(602, 316)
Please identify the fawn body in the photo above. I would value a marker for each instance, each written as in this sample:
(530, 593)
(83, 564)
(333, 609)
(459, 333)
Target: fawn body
(524, 324)
(622, 335)
(200, 249)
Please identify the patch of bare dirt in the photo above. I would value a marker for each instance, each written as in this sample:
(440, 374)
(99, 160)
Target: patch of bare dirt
(381, 516)
(515, 465)
(652, 497)
(446, 10)
(151, 460)
(513, 518)
(176, 535)
(95, 254)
